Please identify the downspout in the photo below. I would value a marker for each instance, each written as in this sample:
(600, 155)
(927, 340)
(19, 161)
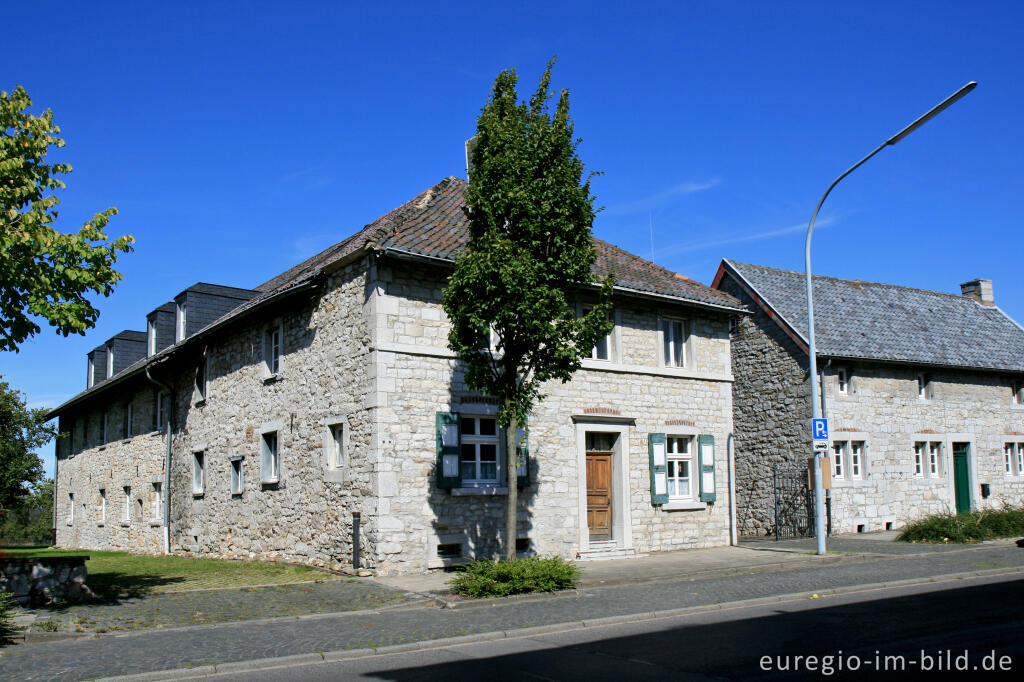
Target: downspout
(56, 462)
(167, 463)
(733, 533)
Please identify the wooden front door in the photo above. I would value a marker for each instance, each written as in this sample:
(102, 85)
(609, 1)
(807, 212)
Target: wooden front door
(599, 495)
(961, 478)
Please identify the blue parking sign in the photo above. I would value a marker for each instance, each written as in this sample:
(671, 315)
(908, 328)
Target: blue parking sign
(819, 429)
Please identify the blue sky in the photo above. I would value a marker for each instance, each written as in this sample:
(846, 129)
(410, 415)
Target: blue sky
(237, 138)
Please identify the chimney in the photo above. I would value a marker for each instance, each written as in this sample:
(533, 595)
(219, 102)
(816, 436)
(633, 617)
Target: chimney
(980, 290)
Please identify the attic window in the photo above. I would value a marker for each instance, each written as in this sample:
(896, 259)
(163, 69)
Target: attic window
(1017, 396)
(843, 379)
(924, 386)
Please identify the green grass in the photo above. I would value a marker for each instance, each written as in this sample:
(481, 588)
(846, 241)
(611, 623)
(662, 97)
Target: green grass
(119, 575)
(987, 524)
(487, 578)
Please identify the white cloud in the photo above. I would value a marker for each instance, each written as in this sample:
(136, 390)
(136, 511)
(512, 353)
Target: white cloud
(647, 203)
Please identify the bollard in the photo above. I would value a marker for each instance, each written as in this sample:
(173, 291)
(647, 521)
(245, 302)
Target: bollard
(355, 539)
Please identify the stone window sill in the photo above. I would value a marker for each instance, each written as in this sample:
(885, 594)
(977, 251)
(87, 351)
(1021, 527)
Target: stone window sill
(155, 522)
(198, 494)
(100, 524)
(125, 523)
(481, 490)
(684, 505)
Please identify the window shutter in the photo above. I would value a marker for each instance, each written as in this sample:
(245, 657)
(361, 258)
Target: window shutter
(707, 468)
(448, 437)
(659, 468)
(523, 453)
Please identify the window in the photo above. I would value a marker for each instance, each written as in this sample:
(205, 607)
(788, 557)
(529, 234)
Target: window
(843, 379)
(180, 326)
(71, 508)
(126, 513)
(478, 458)
(934, 450)
(129, 420)
(104, 420)
(103, 505)
(919, 459)
(674, 337)
(199, 394)
(601, 351)
(1013, 455)
(1017, 392)
(154, 503)
(924, 386)
(162, 407)
(198, 472)
(110, 361)
(680, 467)
(91, 378)
(838, 470)
(151, 337)
(856, 453)
(272, 350)
(237, 475)
(337, 458)
(270, 458)
(734, 327)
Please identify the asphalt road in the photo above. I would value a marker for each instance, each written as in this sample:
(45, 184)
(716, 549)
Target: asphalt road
(967, 629)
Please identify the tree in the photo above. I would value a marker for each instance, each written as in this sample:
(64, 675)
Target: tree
(44, 273)
(529, 258)
(21, 431)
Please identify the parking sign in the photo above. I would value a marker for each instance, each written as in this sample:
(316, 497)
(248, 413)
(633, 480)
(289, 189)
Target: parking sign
(819, 433)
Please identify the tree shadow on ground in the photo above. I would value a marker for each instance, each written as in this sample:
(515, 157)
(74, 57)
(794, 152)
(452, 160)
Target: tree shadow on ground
(112, 588)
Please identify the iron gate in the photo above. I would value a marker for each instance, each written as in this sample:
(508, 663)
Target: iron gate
(794, 502)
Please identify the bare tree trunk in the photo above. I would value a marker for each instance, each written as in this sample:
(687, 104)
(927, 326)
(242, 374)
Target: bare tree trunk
(511, 510)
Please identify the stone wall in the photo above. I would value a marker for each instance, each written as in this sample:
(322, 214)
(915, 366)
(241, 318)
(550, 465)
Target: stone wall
(417, 377)
(882, 410)
(45, 580)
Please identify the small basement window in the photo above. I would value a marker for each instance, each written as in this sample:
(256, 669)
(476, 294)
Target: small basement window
(450, 550)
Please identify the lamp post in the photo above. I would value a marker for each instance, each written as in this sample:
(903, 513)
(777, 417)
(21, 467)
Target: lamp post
(819, 492)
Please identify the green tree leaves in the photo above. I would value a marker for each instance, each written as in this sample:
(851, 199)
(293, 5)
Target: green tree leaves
(21, 431)
(44, 273)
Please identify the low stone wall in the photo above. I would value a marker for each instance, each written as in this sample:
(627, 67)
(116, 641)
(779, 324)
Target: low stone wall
(44, 580)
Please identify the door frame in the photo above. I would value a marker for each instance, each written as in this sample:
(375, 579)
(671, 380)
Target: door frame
(622, 533)
(972, 474)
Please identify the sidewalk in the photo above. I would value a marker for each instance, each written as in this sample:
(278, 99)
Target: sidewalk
(625, 589)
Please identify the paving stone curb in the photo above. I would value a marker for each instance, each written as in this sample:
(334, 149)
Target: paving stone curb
(349, 654)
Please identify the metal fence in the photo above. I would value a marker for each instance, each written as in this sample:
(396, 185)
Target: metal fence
(794, 502)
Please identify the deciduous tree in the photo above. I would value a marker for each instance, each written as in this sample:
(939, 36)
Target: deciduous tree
(528, 260)
(22, 430)
(44, 273)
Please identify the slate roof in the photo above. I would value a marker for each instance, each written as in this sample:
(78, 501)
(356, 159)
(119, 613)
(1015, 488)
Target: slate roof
(866, 320)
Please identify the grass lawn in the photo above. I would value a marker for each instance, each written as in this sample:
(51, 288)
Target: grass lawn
(114, 575)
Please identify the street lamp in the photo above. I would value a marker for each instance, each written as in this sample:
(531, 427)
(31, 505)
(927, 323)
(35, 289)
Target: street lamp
(819, 493)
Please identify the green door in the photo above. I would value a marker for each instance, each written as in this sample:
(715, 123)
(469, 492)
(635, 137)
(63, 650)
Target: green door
(961, 478)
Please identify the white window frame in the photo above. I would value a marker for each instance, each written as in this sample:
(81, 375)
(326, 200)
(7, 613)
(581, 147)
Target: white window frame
(126, 513)
(103, 506)
(202, 380)
(920, 448)
(180, 322)
(856, 460)
(1009, 458)
(199, 470)
(934, 458)
(1017, 392)
(675, 352)
(237, 465)
(924, 386)
(129, 420)
(850, 457)
(335, 448)
(104, 430)
(688, 457)
(71, 508)
(110, 361)
(91, 378)
(476, 440)
(1020, 459)
(842, 381)
(609, 341)
(151, 337)
(270, 357)
(270, 452)
(839, 459)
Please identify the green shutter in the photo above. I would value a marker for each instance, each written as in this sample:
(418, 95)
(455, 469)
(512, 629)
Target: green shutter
(523, 454)
(448, 421)
(659, 469)
(707, 468)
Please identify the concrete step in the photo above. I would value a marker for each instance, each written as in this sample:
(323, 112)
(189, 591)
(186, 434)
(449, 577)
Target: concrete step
(600, 551)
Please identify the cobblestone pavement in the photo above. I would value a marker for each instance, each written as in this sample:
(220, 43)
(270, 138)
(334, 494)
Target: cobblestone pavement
(224, 605)
(138, 652)
(866, 543)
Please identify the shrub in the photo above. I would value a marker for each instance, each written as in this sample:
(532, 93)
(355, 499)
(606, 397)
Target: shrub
(488, 578)
(6, 613)
(986, 524)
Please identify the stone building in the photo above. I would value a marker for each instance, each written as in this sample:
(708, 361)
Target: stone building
(922, 390)
(328, 393)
